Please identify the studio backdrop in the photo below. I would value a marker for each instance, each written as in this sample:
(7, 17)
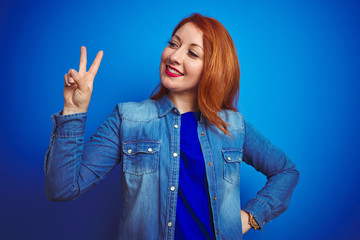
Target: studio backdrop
(299, 86)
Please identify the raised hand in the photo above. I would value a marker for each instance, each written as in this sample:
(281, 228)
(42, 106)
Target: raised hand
(79, 85)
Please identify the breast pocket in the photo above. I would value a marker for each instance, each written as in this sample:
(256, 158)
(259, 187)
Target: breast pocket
(140, 157)
(232, 159)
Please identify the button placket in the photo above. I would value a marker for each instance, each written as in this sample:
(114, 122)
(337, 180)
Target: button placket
(210, 172)
(172, 190)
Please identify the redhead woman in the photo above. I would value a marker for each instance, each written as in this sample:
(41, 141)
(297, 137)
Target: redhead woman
(180, 151)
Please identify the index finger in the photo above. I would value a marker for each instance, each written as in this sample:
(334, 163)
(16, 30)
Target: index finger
(83, 60)
(95, 66)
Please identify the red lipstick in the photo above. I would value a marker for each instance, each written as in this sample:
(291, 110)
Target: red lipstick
(170, 73)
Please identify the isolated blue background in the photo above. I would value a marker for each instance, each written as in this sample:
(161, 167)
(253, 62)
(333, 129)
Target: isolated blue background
(299, 87)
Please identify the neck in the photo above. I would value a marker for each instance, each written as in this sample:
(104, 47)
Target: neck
(184, 102)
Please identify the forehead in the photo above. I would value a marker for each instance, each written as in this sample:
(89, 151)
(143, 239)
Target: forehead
(190, 33)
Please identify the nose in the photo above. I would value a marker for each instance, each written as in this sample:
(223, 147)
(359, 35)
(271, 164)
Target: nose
(177, 56)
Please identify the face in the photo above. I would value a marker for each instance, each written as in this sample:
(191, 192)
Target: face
(182, 61)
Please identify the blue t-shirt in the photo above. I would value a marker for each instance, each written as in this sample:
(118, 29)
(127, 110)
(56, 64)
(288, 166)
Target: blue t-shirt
(193, 212)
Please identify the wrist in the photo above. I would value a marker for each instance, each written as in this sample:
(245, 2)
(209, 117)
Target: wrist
(252, 222)
(68, 111)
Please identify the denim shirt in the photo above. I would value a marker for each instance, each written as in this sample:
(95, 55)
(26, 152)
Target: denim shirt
(144, 139)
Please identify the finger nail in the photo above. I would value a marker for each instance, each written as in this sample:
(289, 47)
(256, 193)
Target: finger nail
(69, 84)
(71, 81)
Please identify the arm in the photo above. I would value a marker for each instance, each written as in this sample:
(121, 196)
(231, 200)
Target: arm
(282, 176)
(72, 167)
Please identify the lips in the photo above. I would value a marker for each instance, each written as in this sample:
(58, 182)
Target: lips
(173, 72)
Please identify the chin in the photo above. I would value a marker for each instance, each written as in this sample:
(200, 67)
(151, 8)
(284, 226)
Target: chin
(166, 81)
(167, 86)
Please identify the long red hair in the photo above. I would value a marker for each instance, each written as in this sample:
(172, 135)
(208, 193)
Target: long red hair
(219, 85)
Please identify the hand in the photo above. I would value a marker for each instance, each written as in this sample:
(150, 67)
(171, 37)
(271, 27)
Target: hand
(79, 85)
(245, 221)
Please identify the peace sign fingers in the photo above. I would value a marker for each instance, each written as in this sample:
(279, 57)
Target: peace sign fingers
(83, 60)
(79, 85)
(95, 66)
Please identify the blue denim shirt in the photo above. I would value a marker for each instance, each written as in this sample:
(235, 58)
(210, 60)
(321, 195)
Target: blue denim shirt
(144, 139)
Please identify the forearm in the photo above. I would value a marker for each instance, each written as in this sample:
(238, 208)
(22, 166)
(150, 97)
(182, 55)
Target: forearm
(71, 166)
(274, 198)
(63, 158)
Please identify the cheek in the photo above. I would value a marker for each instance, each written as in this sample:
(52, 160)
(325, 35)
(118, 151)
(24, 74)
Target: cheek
(162, 61)
(196, 69)
(164, 54)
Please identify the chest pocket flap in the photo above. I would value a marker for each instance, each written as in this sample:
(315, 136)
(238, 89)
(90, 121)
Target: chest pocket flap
(140, 157)
(232, 159)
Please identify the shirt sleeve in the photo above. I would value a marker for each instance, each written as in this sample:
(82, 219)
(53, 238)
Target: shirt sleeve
(282, 176)
(71, 166)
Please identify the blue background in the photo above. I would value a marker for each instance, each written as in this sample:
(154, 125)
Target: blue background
(299, 87)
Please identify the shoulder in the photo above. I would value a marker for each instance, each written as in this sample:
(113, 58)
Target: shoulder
(138, 111)
(235, 119)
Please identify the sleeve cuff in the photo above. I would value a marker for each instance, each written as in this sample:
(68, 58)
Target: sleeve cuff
(72, 125)
(260, 210)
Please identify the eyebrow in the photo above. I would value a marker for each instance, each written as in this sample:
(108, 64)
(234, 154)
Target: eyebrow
(192, 44)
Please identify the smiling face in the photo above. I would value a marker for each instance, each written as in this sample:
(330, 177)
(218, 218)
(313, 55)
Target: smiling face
(182, 61)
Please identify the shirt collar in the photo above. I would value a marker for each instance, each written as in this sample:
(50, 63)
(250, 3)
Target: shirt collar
(164, 106)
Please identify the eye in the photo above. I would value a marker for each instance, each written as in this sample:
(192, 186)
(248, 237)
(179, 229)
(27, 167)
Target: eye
(172, 44)
(193, 54)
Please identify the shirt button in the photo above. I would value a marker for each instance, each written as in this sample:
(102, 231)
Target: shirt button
(202, 134)
(210, 163)
(240, 158)
(175, 154)
(229, 158)
(217, 232)
(129, 151)
(175, 111)
(169, 224)
(149, 149)
(172, 188)
(176, 126)
(214, 197)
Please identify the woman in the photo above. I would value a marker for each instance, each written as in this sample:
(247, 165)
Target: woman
(180, 151)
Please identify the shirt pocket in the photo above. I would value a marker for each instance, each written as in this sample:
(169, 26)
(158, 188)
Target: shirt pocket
(140, 157)
(232, 159)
